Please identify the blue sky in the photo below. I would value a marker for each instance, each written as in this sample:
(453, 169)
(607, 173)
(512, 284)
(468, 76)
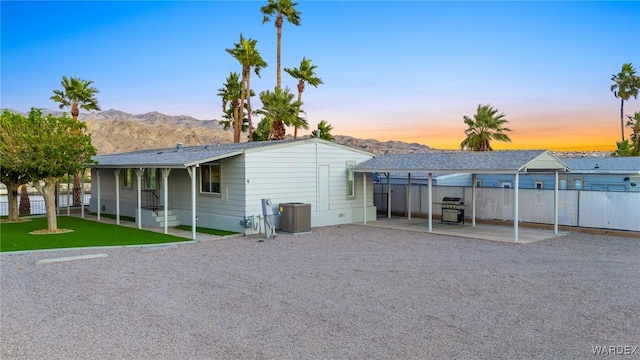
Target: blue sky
(401, 70)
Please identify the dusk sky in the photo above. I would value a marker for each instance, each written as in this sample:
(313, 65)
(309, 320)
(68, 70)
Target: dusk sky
(392, 70)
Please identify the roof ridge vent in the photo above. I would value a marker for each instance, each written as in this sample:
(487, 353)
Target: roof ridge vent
(179, 146)
(597, 167)
(207, 147)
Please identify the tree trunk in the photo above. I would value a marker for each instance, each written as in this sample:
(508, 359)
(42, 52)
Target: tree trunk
(278, 130)
(243, 94)
(249, 107)
(48, 190)
(25, 202)
(74, 110)
(12, 196)
(621, 118)
(279, 22)
(300, 90)
(77, 196)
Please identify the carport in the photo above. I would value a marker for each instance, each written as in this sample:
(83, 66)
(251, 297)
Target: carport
(514, 162)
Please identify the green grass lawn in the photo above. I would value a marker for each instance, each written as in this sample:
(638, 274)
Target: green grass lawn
(206, 230)
(16, 237)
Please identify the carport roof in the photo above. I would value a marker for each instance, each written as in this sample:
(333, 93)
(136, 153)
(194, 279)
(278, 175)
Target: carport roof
(477, 162)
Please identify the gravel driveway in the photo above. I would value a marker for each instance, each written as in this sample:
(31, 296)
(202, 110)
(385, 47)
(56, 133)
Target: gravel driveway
(342, 292)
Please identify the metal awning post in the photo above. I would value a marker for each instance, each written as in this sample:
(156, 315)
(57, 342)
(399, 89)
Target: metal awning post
(98, 183)
(117, 174)
(555, 204)
(409, 196)
(165, 183)
(364, 198)
(515, 208)
(192, 173)
(430, 202)
(139, 175)
(82, 194)
(473, 199)
(69, 196)
(389, 195)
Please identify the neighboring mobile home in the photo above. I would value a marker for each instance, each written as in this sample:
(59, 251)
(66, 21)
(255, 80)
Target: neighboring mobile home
(225, 184)
(603, 174)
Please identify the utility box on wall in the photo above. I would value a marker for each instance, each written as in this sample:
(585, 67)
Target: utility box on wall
(295, 217)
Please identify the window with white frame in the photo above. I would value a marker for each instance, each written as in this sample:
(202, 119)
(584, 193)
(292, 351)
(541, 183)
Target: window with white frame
(151, 179)
(351, 183)
(562, 183)
(577, 184)
(538, 185)
(127, 178)
(210, 175)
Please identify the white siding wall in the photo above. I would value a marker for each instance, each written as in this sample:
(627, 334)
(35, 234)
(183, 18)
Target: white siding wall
(290, 174)
(220, 212)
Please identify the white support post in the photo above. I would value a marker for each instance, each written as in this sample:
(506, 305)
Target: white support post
(165, 183)
(430, 202)
(409, 196)
(69, 196)
(116, 172)
(515, 207)
(82, 194)
(473, 199)
(139, 175)
(364, 198)
(192, 173)
(389, 195)
(58, 198)
(98, 183)
(555, 204)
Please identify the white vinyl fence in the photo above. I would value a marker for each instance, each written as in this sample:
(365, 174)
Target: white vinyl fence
(594, 209)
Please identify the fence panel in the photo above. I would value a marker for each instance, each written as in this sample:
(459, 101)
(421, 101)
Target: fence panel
(597, 209)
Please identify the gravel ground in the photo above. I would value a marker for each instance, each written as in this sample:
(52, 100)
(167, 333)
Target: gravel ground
(341, 292)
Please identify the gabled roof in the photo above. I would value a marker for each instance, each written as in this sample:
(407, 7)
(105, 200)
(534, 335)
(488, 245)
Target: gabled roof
(612, 165)
(192, 155)
(489, 162)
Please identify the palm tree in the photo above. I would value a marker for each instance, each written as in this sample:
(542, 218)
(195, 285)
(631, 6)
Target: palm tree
(247, 55)
(76, 93)
(324, 131)
(280, 9)
(279, 110)
(304, 74)
(230, 93)
(484, 127)
(626, 85)
(634, 124)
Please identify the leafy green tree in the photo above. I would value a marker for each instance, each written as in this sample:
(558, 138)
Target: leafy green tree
(305, 74)
(248, 56)
(623, 150)
(486, 125)
(45, 148)
(626, 85)
(77, 94)
(280, 10)
(12, 125)
(279, 110)
(323, 131)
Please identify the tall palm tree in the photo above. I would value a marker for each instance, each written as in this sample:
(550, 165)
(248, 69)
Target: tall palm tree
(76, 93)
(280, 10)
(304, 74)
(323, 131)
(486, 125)
(247, 55)
(279, 110)
(230, 93)
(626, 85)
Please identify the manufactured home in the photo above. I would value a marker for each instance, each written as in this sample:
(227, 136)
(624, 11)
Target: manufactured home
(223, 186)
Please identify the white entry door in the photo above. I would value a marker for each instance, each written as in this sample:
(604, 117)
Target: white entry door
(323, 187)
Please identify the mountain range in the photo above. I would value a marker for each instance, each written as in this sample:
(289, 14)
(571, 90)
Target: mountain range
(115, 131)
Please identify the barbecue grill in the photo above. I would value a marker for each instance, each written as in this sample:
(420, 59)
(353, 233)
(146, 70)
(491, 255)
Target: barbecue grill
(452, 210)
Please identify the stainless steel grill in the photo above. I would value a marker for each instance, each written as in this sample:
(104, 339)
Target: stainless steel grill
(452, 210)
